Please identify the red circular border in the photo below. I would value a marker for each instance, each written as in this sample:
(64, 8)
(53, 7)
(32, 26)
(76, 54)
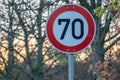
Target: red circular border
(82, 11)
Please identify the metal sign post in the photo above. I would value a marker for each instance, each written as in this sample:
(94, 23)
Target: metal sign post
(70, 29)
(71, 66)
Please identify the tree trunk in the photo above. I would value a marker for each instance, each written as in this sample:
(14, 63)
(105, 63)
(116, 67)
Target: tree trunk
(10, 62)
(10, 39)
(98, 55)
(97, 47)
(40, 40)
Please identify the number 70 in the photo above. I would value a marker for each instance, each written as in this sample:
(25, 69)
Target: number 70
(67, 21)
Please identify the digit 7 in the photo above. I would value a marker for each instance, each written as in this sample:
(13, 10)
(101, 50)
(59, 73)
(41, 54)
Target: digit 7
(66, 26)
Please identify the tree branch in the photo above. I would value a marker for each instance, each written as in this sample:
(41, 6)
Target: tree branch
(112, 37)
(106, 27)
(86, 4)
(113, 43)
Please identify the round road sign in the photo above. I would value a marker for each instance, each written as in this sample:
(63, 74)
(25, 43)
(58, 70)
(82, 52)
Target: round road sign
(70, 28)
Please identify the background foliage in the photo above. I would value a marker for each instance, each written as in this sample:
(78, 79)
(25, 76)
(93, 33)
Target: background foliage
(25, 53)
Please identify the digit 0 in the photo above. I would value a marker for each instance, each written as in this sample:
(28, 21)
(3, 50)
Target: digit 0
(81, 29)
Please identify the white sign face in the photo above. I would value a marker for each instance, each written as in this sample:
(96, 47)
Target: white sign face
(69, 28)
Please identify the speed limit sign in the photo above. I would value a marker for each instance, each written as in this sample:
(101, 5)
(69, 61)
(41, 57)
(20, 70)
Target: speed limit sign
(70, 28)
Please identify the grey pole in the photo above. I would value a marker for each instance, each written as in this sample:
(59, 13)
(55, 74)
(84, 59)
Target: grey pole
(71, 66)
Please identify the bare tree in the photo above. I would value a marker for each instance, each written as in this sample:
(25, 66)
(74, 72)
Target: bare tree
(8, 33)
(110, 14)
(23, 21)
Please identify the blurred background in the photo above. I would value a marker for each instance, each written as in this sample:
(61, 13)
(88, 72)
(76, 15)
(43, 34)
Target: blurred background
(26, 54)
